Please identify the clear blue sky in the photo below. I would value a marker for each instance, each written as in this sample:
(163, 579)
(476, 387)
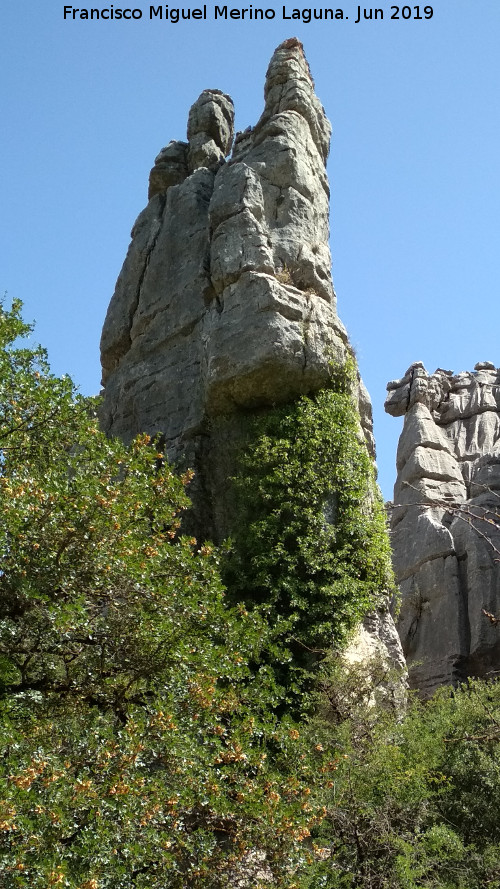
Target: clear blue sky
(414, 169)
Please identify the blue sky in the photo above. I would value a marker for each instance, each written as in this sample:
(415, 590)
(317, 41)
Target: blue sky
(85, 107)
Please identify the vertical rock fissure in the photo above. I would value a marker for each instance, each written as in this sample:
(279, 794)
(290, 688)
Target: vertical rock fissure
(163, 200)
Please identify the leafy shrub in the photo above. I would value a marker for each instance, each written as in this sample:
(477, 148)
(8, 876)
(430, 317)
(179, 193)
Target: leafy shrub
(412, 802)
(138, 747)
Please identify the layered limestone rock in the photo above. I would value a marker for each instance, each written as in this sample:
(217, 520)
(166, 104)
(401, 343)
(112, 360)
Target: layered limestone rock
(445, 519)
(225, 303)
(225, 300)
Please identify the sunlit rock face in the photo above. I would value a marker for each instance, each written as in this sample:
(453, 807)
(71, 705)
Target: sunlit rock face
(225, 303)
(445, 536)
(225, 300)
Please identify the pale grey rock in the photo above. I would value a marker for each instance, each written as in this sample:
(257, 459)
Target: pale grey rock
(225, 300)
(225, 304)
(210, 130)
(418, 538)
(366, 416)
(271, 343)
(445, 518)
(239, 245)
(116, 335)
(289, 86)
(431, 625)
(420, 430)
(170, 168)
(376, 648)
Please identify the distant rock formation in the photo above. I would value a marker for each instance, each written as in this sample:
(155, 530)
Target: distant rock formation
(225, 303)
(445, 520)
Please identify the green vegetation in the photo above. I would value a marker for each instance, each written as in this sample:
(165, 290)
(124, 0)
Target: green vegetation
(147, 731)
(315, 548)
(411, 802)
(138, 747)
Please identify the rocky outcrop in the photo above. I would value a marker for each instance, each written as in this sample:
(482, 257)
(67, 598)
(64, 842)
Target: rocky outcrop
(376, 649)
(225, 303)
(225, 300)
(445, 522)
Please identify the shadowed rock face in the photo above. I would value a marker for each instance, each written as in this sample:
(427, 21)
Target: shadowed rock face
(225, 303)
(445, 547)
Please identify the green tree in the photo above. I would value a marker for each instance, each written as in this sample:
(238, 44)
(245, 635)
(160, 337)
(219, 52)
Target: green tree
(411, 802)
(143, 739)
(139, 747)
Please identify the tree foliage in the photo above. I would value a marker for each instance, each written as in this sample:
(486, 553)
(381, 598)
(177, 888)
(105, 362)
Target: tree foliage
(140, 749)
(144, 743)
(411, 802)
(315, 548)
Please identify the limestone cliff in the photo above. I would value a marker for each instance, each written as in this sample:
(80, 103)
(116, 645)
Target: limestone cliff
(445, 535)
(225, 304)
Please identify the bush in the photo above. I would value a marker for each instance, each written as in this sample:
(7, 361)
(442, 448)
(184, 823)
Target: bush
(139, 748)
(412, 802)
(310, 539)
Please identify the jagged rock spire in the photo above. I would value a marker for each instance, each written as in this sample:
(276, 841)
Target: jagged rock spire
(289, 87)
(225, 303)
(225, 299)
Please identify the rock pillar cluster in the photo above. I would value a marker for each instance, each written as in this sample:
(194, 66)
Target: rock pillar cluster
(225, 300)
(445, 521)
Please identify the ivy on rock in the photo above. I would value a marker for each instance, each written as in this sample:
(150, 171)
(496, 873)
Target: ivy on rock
(310, 539)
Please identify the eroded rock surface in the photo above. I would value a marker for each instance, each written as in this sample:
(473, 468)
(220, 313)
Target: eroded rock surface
(225, 300)
(225, 303)
(445, 539)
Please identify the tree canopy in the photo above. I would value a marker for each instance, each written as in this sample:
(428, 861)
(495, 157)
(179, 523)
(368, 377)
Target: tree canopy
(144, 741)
(140, 748)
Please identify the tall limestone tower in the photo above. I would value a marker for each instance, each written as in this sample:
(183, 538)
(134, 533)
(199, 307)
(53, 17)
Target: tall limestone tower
(225, 301)
(446, 522)
(225, 305)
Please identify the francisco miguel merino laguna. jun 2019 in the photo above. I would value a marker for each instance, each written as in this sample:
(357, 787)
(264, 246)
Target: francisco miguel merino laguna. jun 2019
(216, 12)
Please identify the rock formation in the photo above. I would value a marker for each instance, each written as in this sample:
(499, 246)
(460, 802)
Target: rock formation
(225, 303)
(445, 534)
